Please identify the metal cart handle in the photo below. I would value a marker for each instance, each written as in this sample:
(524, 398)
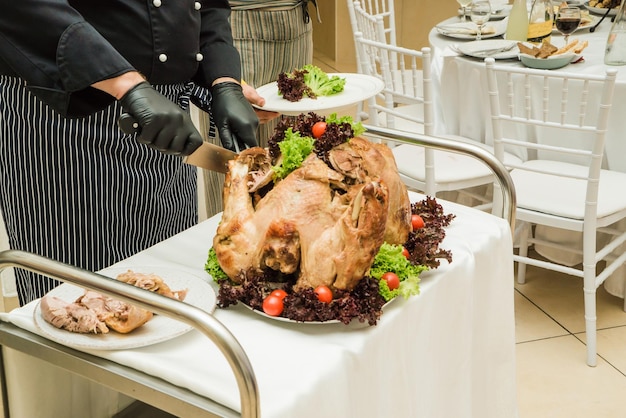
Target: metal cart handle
(503, 178)
(196, 317)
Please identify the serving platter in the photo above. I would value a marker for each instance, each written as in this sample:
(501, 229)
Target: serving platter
(354, 322)
(358, 87)
(160, 328)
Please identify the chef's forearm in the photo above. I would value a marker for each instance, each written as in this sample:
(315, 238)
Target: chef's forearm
(118, 86)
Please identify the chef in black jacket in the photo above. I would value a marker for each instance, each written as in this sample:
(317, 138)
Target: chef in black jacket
(73, 186)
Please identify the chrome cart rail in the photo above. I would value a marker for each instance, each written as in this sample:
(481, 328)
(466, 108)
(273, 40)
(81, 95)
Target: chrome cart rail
(154, 391)
(505, 207)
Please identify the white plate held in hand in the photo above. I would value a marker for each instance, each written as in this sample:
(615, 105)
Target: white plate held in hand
(358, 87)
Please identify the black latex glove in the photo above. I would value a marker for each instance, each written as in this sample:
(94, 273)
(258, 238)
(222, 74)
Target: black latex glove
(164, 125)
(233, 116)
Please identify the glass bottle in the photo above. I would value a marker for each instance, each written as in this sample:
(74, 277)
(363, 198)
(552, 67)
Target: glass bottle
(517, 27)
(540, 21)
(615, 52)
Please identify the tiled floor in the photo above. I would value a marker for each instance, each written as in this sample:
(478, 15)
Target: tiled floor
(552, 376)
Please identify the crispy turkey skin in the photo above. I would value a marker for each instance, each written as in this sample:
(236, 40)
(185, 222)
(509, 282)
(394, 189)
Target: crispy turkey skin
(325, 224)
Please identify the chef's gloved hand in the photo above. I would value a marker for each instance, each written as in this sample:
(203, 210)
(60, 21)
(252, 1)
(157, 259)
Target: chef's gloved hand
(233, 116)
(164, 125)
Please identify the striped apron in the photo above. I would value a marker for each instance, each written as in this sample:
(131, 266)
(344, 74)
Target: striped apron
(271, 37)
(82, 192)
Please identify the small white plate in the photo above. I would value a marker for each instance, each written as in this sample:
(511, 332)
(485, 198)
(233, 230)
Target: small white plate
(467, 30)
(358, 87)
(159, 328)
(479, 49)
(551, 63)
(601, 10)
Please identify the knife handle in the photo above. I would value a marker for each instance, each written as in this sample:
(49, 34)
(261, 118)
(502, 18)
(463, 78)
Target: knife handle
(128, 124)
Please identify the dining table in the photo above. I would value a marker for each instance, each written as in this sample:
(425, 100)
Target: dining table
(462, 106)
(447, 352)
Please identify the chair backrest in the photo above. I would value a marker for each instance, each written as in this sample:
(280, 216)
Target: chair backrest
(551, 116)
(382, 10)
(407, 82)
(374, 19)
(406, 102)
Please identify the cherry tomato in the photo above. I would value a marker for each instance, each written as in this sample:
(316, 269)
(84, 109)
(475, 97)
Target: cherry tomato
(318, 129)
(324, 294)
(273, 305)
(417, 222)
(405, 253)
(279, 293)
(392, 279)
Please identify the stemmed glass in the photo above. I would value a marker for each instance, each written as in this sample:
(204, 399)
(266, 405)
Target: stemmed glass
(464, 4)
(567, 21)
(480, 12)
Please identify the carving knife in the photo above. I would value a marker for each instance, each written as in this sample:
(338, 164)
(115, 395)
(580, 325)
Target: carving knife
(208, 156)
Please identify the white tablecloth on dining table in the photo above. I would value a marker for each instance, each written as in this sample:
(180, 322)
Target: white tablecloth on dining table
(462, 108)
(449, 352)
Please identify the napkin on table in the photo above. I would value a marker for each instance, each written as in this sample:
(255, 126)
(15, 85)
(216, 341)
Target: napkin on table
(462, 30)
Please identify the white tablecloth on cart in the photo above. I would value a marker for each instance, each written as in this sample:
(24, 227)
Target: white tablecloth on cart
(449, 352)
(463, 109)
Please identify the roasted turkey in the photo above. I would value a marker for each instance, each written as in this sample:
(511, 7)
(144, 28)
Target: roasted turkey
(323, 223)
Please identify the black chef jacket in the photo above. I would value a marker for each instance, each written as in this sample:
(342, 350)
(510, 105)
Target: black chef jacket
(61, 47)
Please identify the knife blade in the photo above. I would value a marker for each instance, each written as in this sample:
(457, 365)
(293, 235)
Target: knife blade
(208, 156)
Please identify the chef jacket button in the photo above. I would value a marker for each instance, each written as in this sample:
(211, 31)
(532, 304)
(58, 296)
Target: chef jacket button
(197, 5)
(156, 3)
(162, 57)
(199, 57)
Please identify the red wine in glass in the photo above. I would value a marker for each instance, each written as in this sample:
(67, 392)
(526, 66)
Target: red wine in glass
(567, 21)
(567, 25)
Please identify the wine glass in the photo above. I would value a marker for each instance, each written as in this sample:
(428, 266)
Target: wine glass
(480, 12)
(464, 4)
(567, 21)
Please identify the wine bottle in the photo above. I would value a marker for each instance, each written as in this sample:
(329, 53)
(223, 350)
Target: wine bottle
(540, 21)
(615, 52)
(517, 27)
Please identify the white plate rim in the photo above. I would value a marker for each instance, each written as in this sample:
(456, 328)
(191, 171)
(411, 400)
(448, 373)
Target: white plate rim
(160, 328)
(292, 321)
(551, 57)
(572, 56)
(601, 10)
(499, 31)
(358, 87)
(466, 48)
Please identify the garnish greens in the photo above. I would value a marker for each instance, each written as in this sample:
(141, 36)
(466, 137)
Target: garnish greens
(309, 81)
(293, 149)
(391, 259)
(212, 266)
(357, 127)
(320, 83)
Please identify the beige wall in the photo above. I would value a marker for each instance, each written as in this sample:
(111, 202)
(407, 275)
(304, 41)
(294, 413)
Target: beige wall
(414, 19)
